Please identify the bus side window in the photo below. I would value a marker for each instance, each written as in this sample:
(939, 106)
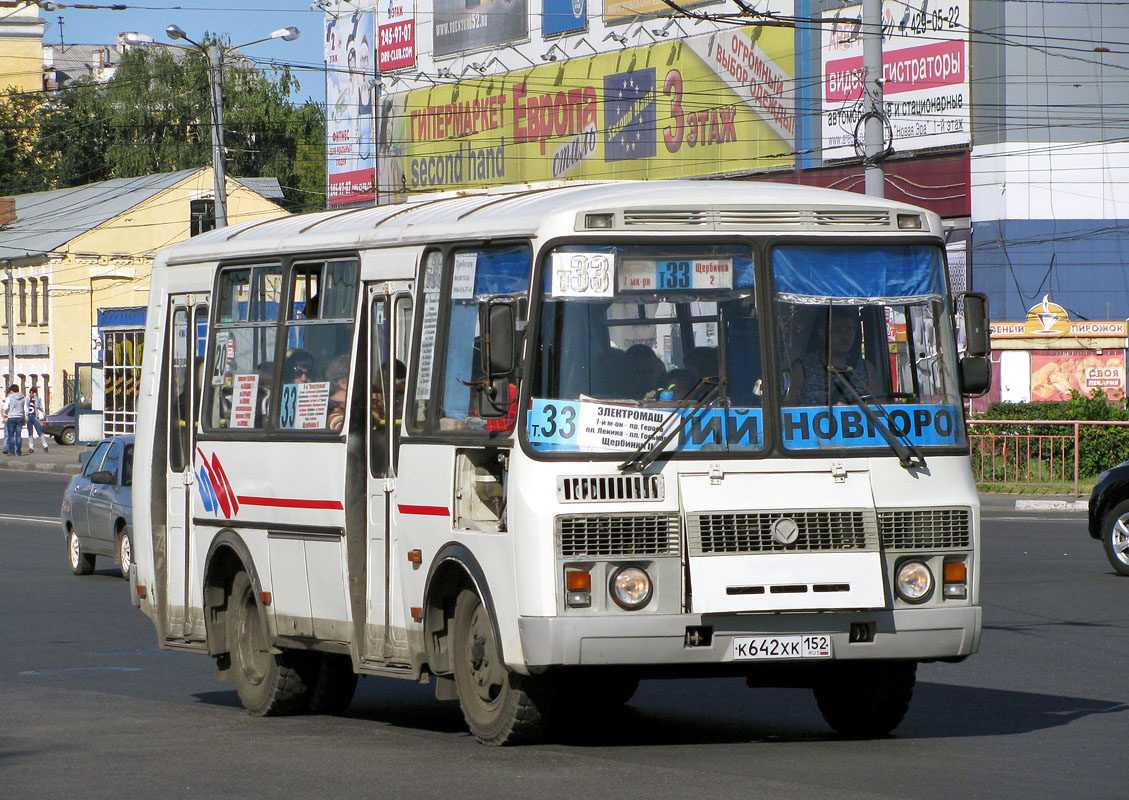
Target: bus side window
(242, 346)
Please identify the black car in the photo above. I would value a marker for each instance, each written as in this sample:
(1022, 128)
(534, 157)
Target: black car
(61, 425)
(1109, 515)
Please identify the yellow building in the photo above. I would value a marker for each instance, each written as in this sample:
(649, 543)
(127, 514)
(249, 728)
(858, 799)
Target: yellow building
(21, 47)
(77, 262)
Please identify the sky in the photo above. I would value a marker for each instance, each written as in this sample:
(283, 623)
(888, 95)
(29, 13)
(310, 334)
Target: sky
(240, 21)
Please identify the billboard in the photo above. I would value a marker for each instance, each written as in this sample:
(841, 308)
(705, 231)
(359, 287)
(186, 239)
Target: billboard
(350, 145)
(709, 105)
(628, 10)
(1056, 374)
(563, 16)
(925, 70)
(395, 35)
(478, 24)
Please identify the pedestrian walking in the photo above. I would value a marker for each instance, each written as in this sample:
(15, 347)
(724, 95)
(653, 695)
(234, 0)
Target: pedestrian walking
(14, 414)
(34, 426)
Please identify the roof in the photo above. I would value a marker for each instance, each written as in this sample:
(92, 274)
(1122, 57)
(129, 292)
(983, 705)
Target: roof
(45, 221)
(654, 207)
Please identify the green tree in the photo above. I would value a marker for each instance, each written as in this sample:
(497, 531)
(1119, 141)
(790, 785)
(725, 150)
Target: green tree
(154, 116)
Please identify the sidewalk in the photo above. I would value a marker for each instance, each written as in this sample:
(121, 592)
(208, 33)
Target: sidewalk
(59, 459)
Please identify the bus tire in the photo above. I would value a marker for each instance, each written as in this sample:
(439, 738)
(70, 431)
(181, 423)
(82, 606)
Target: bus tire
(866, 699)
(500, 707)
(268, 683)
(332, 685)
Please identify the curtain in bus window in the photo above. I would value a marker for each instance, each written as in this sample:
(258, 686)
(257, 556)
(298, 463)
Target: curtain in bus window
(886, 273)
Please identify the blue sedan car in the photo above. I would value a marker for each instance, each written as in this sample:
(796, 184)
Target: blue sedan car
(97, 512)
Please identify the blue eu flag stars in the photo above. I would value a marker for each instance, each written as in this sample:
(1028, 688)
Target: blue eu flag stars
(629, 115)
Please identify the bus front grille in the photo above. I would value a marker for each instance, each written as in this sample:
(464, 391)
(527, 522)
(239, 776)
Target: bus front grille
(611, 488)
(926, 529)
(592, 535)
(769, 532)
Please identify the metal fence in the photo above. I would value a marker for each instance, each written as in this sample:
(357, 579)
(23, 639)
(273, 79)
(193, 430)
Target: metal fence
(1011, 456)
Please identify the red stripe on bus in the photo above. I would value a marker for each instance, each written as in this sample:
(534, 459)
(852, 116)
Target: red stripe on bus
(281, 502)
(425, 511)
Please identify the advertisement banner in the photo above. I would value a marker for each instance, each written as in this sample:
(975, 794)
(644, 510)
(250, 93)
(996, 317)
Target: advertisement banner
(925, 72)
(563, 16)
(1057, 373)
(709, 105)
(395, 35)
(626, 10)
(350, 145)
(478, 24)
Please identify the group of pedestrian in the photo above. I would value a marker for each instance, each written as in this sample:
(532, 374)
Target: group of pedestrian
(19, 410)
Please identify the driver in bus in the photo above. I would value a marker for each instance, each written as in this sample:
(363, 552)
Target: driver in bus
(835, 342)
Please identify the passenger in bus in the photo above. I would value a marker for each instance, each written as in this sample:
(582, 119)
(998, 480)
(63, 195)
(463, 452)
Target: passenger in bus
(337, 373)
(836, 341)
(644, 371)
(298, 367)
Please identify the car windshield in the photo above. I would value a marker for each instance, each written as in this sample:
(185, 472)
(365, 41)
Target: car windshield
(634, 339)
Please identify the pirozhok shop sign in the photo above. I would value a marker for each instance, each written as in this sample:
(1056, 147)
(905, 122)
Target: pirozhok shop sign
(705, 105)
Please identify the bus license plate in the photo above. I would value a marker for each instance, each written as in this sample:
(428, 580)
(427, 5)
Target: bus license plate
(747, 648)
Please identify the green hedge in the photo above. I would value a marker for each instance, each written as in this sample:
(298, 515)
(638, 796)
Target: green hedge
(1101, 446)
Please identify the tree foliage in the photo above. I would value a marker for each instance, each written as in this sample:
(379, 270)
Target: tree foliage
(154, 116)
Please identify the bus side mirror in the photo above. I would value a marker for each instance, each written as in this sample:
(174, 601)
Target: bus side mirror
(977, 335)
(498, 326)
(975, 375)
(498, 323)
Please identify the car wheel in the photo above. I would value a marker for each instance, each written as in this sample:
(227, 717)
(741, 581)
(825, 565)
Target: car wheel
(82, 563)
(125, 552)
(499, 706)
(1115, 537)
(268, 683)
(67, 436)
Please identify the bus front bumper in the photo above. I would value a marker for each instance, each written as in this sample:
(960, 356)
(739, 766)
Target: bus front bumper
(921, 634)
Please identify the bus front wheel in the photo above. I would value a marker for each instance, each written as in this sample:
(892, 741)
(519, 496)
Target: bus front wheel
(500, 706)
(268, 683)
(866, 699)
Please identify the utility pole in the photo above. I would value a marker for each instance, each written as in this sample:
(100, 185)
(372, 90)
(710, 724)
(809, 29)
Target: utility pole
(11, 323)
(219, 166)
(874, 131)
(214, 53)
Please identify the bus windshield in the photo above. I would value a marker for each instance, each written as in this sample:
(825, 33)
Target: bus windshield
(864, 347)
(636, 338)
(644, 347)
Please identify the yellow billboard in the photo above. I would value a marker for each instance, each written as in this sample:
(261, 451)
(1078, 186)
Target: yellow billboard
(714, 104)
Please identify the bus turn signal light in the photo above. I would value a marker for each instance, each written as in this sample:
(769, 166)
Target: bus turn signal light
(956, 580)
(578, 588)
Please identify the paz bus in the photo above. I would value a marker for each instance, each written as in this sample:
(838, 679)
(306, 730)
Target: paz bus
(534, 444)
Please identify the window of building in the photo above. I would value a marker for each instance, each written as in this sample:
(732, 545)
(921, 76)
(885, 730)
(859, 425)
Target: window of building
(43, 319)
(203, 216)
(34, 301)
(23, 300)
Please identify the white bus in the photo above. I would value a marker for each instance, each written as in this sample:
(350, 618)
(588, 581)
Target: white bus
(538, 443)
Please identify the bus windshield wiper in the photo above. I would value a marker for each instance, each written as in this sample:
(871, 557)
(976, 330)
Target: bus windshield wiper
(908, 455)
(657, 440)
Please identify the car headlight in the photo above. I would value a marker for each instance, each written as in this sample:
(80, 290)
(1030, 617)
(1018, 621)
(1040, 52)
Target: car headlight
(631, 588)
(914, 582)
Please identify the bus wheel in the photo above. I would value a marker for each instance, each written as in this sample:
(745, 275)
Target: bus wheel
(866, 698)
(500, 706)
(269, 684)
(333, 684)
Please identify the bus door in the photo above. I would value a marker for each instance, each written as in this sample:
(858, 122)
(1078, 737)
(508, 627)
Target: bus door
(389, 328)
(187, 332)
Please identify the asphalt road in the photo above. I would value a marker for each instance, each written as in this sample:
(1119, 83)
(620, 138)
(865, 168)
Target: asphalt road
(90, 708)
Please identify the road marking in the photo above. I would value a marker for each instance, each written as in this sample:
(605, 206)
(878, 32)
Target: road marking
(18, 518)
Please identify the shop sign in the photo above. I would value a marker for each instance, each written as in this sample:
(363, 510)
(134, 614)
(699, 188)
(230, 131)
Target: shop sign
(1050, 320)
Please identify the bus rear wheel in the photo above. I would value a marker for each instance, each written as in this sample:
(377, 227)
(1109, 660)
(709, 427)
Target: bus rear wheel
(268, 683)
(500, 706)
(865, 699)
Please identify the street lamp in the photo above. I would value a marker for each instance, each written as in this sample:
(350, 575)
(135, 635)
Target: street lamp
(214, 54)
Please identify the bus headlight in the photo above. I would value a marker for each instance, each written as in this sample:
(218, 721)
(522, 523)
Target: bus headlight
(631, 588)
(914, 582)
